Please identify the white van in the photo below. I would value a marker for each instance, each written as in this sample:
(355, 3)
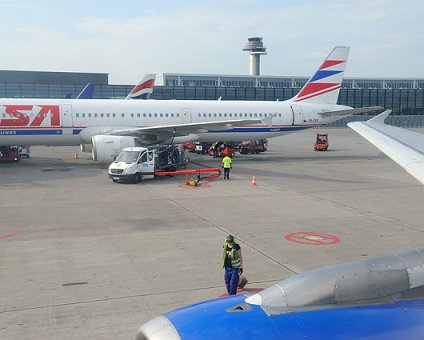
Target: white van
(137, 163)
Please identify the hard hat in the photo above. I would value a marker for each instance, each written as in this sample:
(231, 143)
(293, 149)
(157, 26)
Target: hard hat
(229, 239)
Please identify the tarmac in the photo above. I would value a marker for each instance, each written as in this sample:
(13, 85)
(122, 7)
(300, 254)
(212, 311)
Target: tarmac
(82, 257)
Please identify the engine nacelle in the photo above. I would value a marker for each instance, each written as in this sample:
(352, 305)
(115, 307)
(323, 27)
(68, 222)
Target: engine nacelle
(105, 148)
(181, 139)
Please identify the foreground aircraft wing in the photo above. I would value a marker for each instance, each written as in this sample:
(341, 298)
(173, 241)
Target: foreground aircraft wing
(185, 129)
(403, 146)
(349, 112)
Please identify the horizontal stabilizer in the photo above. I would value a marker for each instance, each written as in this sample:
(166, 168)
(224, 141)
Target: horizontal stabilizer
(348, 112)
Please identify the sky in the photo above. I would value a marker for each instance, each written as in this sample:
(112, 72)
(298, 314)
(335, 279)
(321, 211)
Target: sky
(129, 38)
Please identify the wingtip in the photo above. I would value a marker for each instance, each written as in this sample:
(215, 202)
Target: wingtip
(381, 117)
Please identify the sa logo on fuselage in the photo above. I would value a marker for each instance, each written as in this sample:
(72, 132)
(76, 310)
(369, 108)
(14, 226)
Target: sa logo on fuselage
(31, 116)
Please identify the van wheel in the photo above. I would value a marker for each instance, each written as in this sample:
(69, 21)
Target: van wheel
(137, 178)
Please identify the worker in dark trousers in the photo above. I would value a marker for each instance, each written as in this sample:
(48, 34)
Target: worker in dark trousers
(232, 262)
(227, 164)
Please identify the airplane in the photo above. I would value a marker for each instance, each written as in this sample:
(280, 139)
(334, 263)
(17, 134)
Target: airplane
(377, 298)
(111, 125)
(144, 89)
(87, 92)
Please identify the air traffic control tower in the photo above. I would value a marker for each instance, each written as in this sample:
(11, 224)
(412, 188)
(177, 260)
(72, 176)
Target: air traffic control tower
(256, 48)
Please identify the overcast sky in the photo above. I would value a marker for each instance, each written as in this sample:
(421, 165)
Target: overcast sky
(129, 38)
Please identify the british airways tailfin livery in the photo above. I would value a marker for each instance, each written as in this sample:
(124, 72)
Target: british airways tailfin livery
(111, 125)
(144, 89)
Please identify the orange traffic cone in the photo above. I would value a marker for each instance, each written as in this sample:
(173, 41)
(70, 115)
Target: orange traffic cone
(253, 180)
(76, 155)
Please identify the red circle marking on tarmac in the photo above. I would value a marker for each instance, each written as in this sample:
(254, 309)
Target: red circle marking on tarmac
(200, 186)
(10, 235)
(312, 238)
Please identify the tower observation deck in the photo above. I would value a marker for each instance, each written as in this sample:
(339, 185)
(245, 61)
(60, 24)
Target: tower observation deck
(256, 48)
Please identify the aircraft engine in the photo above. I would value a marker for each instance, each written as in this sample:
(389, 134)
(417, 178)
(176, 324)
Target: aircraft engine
(85, 147)
(105, 148)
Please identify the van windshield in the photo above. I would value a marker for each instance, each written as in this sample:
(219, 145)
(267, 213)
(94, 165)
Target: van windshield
(127, 156)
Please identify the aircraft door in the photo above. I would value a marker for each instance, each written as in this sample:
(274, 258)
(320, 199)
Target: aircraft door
(186, 116)
(66, 118)
(297, 115)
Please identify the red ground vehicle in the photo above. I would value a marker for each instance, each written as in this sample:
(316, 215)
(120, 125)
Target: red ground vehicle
(190, 146)
(9, 153)
(321, 143)
(220, 149)
(253, 146)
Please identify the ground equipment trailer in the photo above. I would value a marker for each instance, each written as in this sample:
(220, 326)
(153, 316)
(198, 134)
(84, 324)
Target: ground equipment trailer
(137, 163)
(9, 154)
(253, 146)
(321, 144)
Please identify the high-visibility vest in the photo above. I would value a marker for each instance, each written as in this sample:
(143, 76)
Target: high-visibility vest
(235, 259)
(226, 162)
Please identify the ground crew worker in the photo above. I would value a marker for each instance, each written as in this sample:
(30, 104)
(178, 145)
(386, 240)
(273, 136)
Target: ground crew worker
(227, 164)
(232, 262)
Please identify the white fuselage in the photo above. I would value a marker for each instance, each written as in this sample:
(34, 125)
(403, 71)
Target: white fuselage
(74, 122)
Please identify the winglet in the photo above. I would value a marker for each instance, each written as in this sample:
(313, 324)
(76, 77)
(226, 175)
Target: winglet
(268, 120)
(381, 117)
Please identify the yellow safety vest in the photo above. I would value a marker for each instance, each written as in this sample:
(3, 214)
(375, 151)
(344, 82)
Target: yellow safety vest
(226, 162)
(235, 260)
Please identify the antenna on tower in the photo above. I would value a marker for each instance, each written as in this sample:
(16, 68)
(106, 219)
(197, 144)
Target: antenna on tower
(256, 48)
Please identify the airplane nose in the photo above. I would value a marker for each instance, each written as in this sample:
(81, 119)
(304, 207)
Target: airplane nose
(159, 328)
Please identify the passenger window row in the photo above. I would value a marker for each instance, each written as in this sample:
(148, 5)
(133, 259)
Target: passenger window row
(172, 115)
(237, 115)
(132, 115)
(145, 115)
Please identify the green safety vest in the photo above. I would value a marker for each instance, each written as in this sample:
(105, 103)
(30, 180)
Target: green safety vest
(226, 162)
(235, 259)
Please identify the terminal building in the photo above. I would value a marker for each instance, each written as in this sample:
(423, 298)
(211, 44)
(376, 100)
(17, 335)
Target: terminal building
(404, 96)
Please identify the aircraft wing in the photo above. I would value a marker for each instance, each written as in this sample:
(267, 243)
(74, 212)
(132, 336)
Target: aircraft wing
(185, 129)
(349, 112)
(403, 146)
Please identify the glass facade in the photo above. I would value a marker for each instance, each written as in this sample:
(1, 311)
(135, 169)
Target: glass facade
(205, 80)
(401, 101)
